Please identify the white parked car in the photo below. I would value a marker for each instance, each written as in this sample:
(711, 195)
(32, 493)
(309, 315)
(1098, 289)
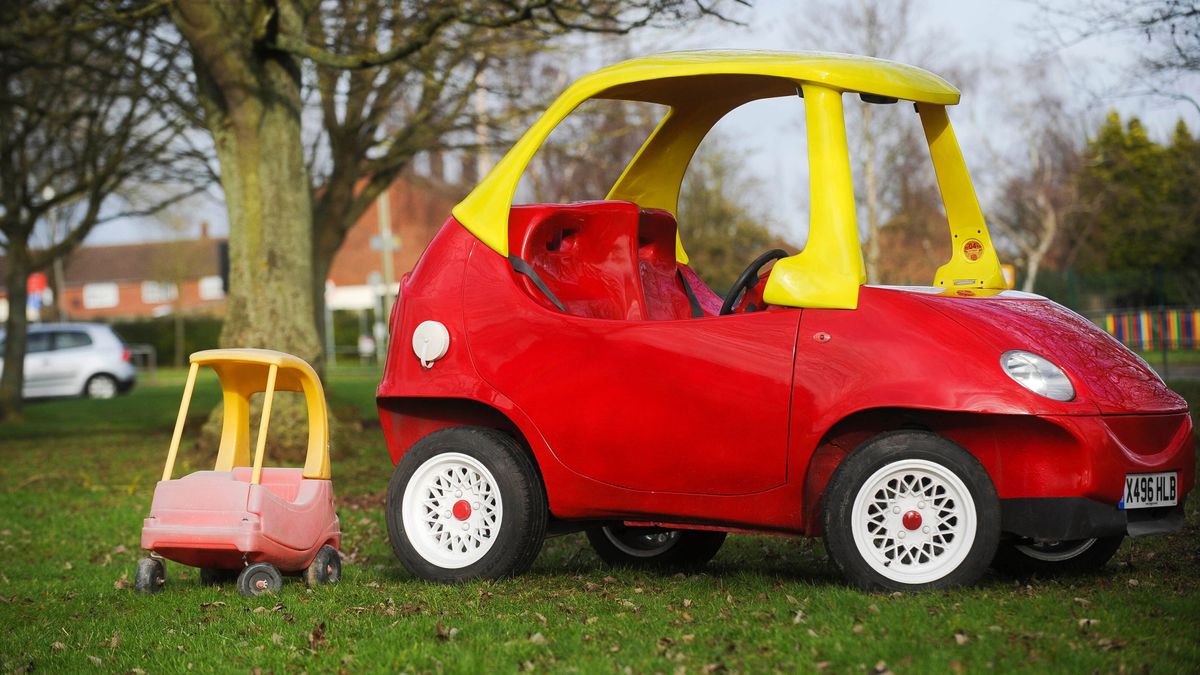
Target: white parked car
(75, 359)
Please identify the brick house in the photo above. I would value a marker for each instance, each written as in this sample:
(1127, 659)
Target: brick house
(158, 278)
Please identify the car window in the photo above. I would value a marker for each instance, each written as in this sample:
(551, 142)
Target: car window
(37, 342)
(71, 339)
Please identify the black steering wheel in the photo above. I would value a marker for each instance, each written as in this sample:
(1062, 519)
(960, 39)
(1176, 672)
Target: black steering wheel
(748, 278)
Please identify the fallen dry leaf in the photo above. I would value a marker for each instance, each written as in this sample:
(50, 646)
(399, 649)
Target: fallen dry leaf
(960, 638)
(687, 638)
(317, 637)
(277, 639)
(58, 646)
(857, 628)
(114, 641)
(443, 633)
(538, 639)
(881, 668)
(1087, 623)
(96, 660)
(687, 603)
(122, 582)
(799, 617)
(120, 548)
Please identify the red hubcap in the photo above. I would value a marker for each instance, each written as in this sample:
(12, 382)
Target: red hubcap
(462, 510)
(912, 520)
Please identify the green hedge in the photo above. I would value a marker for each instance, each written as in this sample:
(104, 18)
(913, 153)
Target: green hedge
(201, 332)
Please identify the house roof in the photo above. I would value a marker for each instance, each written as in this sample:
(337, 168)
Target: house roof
(154, 261)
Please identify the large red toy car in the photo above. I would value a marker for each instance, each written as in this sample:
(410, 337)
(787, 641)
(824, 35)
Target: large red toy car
(561, 367)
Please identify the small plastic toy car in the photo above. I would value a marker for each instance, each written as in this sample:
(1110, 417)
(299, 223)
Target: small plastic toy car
(568, 370)
(242, 519)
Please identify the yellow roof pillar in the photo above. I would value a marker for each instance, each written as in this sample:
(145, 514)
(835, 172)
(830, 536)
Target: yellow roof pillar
(829, 271)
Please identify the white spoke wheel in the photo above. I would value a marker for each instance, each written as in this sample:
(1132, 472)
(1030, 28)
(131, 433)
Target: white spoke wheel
(654, 547)
(452, 510)
(1025, 557)
(911, 511)
(466, 503)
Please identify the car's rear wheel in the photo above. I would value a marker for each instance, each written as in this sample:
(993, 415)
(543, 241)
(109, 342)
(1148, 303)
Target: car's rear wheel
(100, 386)
(654, 547)
(1023, 557)
(912, 511)
(466, 503)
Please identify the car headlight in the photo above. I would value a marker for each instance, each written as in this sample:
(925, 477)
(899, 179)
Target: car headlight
(1037, 374)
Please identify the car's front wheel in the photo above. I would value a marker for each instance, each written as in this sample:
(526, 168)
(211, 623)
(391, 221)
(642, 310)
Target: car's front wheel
(466, 503)
(654, 547)
(911, 511)
(1022, 557)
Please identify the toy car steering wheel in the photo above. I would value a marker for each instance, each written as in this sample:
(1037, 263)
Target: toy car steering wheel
(748, 278)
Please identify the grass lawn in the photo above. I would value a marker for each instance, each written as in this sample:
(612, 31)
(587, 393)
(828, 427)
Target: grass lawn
(78, 477)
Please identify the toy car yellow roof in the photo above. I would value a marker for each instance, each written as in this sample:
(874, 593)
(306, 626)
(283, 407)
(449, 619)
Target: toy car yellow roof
(243, 373)
(699, 88)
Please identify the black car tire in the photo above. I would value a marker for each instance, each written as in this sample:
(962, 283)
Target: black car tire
(654, 548)
(504, 526)
(911, 511)
(1022, 558)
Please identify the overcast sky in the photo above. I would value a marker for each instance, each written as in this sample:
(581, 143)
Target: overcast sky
(993, 39)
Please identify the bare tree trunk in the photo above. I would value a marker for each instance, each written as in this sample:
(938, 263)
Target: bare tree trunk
(17, 269)
(252, 108)
(1049, 222)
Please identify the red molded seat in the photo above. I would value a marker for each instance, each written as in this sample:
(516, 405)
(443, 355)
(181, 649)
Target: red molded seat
(586, 254)
(664, 293)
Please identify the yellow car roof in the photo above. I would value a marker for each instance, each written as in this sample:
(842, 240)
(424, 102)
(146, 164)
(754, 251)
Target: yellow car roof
(639, 79)
(700, 87)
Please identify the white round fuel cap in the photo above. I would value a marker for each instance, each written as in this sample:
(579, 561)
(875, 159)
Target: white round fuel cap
(430, 342)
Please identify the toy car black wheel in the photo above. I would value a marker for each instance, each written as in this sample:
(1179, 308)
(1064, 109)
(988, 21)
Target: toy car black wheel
(326, 568)
(654, 547)
(151, 576)
(259, 578)
(466, 503)
(908, 511)
(1023, 558)
(210, 576)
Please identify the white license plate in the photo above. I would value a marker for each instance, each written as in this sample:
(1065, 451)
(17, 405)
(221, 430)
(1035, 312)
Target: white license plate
(1147, 490)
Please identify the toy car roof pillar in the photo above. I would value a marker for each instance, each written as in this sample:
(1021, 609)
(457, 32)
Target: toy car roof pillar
(699, 88)
(243, 373)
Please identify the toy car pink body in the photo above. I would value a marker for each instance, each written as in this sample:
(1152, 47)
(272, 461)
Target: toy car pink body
(243, 517)
(218, 519)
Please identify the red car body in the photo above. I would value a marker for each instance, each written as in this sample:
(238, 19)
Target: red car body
(638, 413)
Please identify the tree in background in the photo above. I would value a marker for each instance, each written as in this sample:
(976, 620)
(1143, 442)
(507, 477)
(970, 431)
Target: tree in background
(1145, 225)
(1040, 170)
(91, 107)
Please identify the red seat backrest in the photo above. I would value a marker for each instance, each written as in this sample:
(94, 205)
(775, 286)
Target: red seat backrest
(659, 271)
(586, 253)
